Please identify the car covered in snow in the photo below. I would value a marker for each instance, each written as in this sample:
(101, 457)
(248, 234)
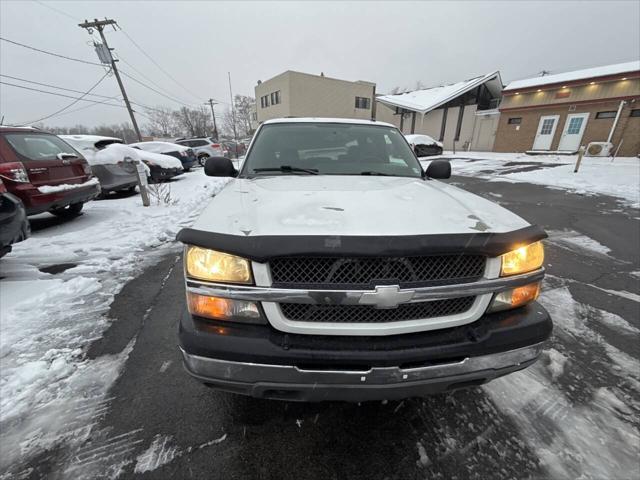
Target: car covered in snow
(424, 145)
(341, 270)
(114, 173)
(14, 226)
(44, 172)
(185, 155)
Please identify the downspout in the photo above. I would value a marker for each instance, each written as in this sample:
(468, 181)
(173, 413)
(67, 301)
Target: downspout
(615, 121)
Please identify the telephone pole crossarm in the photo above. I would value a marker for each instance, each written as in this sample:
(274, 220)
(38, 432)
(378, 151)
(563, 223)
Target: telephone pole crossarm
(99, 26)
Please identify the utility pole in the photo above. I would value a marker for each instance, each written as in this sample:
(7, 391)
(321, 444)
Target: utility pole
(99, 26)
(211, 103)
(233, 116)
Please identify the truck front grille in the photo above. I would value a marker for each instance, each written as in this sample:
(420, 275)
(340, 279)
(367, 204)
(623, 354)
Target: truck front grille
(369, 314)
(353, 272)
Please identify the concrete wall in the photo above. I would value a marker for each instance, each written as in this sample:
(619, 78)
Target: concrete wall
(431, 124)
(511, 139)
(484, 133)
(278, 83)
(304, 95)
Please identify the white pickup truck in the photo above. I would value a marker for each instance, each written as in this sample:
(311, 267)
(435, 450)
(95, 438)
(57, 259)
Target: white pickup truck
(333, 267)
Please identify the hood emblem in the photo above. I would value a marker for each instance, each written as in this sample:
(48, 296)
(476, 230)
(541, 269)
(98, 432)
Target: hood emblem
(386, 297)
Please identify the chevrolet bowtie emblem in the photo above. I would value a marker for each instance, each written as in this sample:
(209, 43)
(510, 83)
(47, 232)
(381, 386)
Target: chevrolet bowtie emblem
(386, 297)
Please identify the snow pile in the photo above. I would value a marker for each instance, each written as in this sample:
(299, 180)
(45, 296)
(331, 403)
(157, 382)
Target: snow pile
(164, 161)
(50, 390)
(596, 176)
(67, 186)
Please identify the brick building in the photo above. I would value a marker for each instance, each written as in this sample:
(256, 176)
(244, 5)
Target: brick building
(558, 113)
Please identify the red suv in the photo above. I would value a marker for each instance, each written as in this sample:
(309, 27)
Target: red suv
(44, 172)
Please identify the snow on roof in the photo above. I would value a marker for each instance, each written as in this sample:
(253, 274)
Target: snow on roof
(583, 74)
(327, 120)
(425, 100)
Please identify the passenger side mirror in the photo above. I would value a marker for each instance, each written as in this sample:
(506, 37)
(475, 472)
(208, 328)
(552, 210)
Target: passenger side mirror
(219, 167)
(439, 169)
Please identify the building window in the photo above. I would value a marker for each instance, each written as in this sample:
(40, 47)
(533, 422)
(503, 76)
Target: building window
(275, 98)
(547, 126)
(264, 101)
(363, 102)
(515, 121)
(610, 114)
(574, 126)
(635, 112)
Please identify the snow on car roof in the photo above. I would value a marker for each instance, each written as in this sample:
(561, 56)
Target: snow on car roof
(417, 139)
(355, 121)
(427, 99)
(159, 147)
(583, 74)
(88, 138)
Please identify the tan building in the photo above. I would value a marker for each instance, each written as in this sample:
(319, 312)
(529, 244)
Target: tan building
(295, 94)
(463, 115)
(559, 113)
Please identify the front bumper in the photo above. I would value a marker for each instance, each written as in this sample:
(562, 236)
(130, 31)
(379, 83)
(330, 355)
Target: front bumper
(288, 382)
(260, 361)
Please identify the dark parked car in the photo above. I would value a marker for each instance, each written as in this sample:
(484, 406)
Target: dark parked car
(115, 174)
(233, 149)
(424, 145)
(185, 154)
(14, 226)
(45, 172)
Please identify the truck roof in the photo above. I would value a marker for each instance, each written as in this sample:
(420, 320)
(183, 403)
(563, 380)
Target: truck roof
(327, 120)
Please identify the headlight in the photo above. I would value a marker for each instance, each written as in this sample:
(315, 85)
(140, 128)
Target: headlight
(210, 265)
(523, 259)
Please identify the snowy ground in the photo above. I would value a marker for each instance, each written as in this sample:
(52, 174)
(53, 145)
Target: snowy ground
(596, 176)
(48, 386)
(573, 414)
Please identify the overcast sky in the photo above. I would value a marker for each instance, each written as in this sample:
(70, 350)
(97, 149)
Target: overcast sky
(389, 43)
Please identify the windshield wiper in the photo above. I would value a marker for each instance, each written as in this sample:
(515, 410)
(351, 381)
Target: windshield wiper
(287, 169)
(380, 174)
(63, 155)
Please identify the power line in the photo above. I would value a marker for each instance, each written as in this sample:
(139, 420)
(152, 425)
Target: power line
(158, 65)
(145, 77)
(153, 89)
(55, 10)
(52, 86)
(76, 100)
(54, 93)
(51, 53)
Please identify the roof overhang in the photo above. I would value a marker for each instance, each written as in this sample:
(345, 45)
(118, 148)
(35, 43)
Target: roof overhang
(492, 80)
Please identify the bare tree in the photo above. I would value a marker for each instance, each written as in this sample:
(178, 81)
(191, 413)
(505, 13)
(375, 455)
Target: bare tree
(161, 122)
(194, 122)
(244, 106)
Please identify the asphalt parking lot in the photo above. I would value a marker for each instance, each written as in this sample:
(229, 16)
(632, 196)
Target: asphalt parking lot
(159, 423)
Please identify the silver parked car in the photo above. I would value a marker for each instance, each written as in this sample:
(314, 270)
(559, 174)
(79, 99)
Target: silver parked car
(114, 174)
(204, 147)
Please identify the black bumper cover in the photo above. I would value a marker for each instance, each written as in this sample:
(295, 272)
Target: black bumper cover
(491, 334)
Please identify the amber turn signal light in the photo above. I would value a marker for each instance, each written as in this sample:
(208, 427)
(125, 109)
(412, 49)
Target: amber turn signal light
(515, 298)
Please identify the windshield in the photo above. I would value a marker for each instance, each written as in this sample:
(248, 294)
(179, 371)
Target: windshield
(330, 149)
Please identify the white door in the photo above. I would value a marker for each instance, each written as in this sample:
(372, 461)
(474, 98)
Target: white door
(573, 130)
(546, 130)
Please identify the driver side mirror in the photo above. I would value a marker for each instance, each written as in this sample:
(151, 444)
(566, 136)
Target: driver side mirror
(439, 169)
(219, 167)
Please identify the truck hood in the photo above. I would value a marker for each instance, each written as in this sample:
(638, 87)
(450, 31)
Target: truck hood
(350, 205)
